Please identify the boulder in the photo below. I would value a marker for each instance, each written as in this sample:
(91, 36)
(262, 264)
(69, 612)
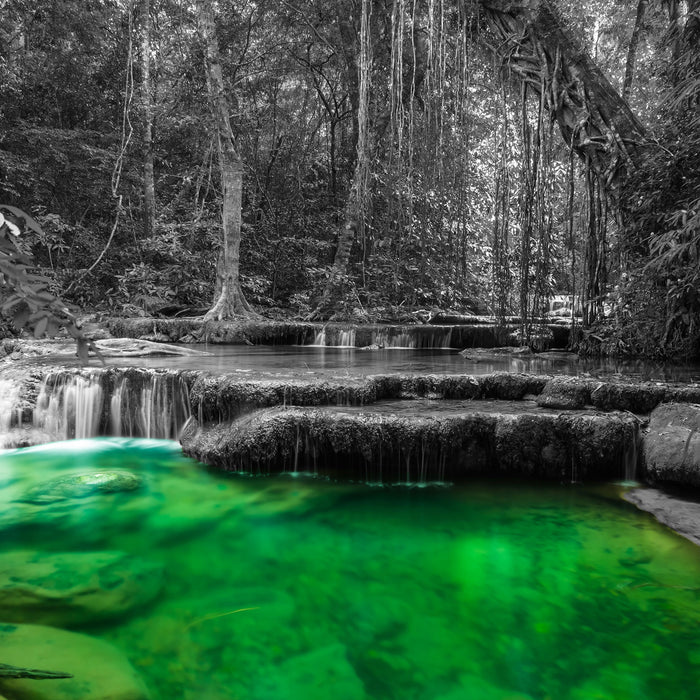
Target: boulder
(636, 398)
(99, 670)
(73, 588)
(672, 444)
(565, 392)
(509, 386)
(81, 486)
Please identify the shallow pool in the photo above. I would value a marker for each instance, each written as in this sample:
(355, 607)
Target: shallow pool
(291, 588)
(296, 360)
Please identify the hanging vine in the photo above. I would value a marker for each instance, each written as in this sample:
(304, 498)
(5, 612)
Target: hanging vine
(501, 270)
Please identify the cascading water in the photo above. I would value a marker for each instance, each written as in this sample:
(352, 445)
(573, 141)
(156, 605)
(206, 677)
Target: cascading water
(386, 337)
(135, 403)
(320, 338)
(159, 409)
(69, 409)
(10, 411)
(335, 337)
(631, 455)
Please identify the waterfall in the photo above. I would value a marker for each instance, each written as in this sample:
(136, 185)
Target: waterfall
(157, 409)
(70, 409)
(134, 403)
(335, 338)
(320, 337)
(631, 454)
(413, 337)
(346, 339)
(10, 409)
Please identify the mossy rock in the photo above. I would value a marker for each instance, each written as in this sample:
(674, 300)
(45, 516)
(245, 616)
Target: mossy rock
(81, 486)
(509, 386)
(636, 398)
(566, 393)
(672, 444)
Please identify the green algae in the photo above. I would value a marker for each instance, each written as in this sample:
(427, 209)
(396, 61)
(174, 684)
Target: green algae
(285, 588)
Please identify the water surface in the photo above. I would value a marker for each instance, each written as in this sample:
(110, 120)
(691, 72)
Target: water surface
(285, 360)
(291, 588)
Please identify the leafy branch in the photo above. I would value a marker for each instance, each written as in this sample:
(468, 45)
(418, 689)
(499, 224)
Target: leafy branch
(24, 294)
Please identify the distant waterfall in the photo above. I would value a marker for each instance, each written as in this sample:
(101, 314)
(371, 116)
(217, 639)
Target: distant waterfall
(335, 337)
(135, 403)
(417, 337)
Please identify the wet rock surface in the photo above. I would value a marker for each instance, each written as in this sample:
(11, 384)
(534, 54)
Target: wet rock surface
(74, 588)
(679, 512)
(99, 670)
(428, 440)
(229, 397)
(637, 398)
(565, 392)
(672, 444)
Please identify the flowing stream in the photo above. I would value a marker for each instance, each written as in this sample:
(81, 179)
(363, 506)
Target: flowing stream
(291, 587)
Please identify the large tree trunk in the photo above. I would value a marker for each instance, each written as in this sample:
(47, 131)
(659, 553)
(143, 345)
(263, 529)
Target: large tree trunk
(355, 206)
(149, 188)
(593, 118)
(230, 301)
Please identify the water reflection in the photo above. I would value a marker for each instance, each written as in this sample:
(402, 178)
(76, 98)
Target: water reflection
(296, 359)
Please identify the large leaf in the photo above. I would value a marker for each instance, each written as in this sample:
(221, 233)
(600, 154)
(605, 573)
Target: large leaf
(23, 216)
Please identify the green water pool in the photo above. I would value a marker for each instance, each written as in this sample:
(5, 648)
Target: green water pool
(291, 588)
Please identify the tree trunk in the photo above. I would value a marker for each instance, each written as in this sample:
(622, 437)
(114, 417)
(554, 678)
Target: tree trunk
(229, 302)
(354, 212)
(149, 189)
(593, 118)
(632, 49)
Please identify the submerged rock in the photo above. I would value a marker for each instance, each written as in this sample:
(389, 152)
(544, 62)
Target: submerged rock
(476, 688)
(317, 675)
(81, 486)
(74, 588)
(99, 670)
(672, 444)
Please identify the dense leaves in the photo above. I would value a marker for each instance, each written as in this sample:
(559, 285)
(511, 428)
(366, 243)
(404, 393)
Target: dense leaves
(461, 210)
(24, 295)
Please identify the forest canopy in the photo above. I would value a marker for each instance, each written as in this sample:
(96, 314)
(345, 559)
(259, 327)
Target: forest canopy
(362, 159)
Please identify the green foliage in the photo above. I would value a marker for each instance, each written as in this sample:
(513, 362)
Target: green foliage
(25, 295)
(428, 239)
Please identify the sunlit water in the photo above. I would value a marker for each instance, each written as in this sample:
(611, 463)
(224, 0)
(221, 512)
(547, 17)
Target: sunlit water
(290, 588)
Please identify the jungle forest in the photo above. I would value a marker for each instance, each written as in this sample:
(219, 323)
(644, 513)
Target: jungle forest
(355, 160)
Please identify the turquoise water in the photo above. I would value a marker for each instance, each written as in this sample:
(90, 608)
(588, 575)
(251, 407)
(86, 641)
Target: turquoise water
(290, 588)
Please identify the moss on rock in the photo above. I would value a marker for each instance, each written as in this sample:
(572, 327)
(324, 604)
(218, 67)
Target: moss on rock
(565, 392)
(672, 444)
(387, 446)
